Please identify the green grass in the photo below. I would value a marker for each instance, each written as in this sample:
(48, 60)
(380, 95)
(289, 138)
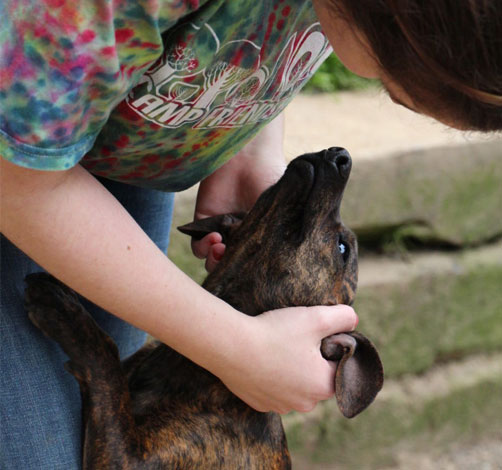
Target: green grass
(180, 251)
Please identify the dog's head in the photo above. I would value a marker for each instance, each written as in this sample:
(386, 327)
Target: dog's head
(292, 249)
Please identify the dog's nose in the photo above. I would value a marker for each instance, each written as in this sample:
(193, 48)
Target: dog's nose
(341, 159)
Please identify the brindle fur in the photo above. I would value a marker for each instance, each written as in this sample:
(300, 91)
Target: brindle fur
(159, 410)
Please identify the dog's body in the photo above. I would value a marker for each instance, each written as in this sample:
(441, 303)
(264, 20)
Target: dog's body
(159, 410)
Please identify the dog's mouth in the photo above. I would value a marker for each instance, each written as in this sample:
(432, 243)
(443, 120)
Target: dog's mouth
(315, 184)
(327, 171)
(308, 195)
(334, 160)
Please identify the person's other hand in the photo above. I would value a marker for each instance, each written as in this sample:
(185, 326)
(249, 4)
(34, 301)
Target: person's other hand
(236, 186)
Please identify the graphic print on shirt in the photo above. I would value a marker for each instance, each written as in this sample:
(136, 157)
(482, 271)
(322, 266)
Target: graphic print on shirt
(232, 90)
(159, 93)
(220, 77)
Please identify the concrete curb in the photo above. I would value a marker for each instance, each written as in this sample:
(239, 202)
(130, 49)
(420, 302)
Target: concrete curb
(443, 194)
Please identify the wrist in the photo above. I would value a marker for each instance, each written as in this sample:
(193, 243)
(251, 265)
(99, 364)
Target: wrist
(227, 341)
(240, 369)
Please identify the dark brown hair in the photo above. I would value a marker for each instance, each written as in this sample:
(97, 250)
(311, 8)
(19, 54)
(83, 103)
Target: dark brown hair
(446, 54)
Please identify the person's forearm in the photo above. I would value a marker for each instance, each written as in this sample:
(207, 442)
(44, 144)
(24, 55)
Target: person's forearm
(69, 224)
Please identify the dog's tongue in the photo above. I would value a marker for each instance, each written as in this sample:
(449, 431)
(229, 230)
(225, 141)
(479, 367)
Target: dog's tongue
(359, 374)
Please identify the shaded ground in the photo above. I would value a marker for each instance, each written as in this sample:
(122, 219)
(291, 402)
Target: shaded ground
(471, 451)
(485, 455)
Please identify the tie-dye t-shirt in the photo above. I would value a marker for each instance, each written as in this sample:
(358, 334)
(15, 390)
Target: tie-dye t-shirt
(157, 93)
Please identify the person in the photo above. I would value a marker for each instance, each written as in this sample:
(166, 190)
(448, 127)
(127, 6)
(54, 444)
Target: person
(109, 107)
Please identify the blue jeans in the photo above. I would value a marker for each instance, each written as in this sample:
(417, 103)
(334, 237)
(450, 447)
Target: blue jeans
(40, 415)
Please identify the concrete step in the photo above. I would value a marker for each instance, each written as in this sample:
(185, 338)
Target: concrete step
(431, 307)
(451, 195)
(368, 124)
(412, 176)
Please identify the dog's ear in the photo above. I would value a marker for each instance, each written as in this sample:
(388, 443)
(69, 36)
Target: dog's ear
(359, 375)
(224, 224)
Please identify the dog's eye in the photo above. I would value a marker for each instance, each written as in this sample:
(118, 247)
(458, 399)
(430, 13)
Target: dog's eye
(343, 248)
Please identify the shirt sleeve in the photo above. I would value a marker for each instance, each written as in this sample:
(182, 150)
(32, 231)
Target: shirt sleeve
(64, 66)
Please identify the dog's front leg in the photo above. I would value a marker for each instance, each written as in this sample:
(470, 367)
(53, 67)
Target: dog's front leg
(110, 437)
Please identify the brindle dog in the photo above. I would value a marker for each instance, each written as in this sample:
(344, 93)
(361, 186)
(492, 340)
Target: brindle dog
(159, 410)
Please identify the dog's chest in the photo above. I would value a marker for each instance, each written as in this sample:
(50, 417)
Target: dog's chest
(193, 421)
(214, 440)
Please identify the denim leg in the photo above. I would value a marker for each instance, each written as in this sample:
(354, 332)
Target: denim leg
(40, 410)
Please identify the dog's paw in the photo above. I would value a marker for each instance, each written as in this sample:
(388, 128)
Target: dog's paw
(51, 305)
(44, 288)
(56, 310)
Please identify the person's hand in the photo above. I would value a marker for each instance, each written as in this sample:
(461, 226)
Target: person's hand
(280, 367)
(236, 185)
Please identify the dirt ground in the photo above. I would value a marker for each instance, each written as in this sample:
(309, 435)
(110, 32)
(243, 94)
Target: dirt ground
(367, 123)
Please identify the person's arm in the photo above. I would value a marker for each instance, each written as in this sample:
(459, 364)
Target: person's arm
(73, 227)
(70, 225)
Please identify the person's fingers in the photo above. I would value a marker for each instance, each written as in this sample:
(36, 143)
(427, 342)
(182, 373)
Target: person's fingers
(201, 247)
(214, 256)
